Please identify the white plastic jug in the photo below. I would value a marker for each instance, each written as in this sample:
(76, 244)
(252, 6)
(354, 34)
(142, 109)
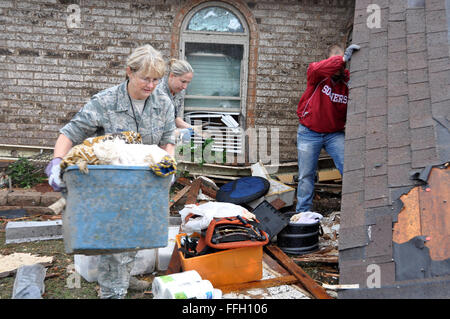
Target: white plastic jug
(161, 283)
(202, 289)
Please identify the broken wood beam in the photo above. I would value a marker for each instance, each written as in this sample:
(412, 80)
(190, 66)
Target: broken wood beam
(318, 259)
(179, 195)
(209, 191)
(312, 286)
(265, 283)
(193, 192)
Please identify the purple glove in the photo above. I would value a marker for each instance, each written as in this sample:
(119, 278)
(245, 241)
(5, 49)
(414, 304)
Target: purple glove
(53, 171)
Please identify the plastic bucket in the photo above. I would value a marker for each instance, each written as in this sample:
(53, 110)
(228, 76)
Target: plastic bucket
(115, 208)
(225, 267)
(299, 239)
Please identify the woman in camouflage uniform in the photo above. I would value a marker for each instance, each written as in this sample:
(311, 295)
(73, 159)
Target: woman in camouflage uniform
(133, 105)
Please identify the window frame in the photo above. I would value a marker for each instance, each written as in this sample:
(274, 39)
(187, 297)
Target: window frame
(238, 38)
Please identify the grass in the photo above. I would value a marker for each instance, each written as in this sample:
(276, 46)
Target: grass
(59, 273)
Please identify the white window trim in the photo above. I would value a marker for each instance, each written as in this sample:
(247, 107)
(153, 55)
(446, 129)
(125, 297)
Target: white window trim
(221, 38)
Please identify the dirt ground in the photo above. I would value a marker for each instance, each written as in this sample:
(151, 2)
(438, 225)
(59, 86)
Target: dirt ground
(59, 273)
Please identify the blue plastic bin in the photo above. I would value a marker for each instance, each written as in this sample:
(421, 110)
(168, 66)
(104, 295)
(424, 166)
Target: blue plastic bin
(115, 208)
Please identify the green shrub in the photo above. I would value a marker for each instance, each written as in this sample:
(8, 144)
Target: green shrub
(24, 174)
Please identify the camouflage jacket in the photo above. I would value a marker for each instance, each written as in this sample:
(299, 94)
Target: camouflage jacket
(177, 99)
(110, 111)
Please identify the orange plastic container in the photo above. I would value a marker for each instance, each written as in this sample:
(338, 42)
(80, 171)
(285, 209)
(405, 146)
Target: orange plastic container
(226, 267)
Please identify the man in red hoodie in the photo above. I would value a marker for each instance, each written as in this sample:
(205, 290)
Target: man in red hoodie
(322, 113)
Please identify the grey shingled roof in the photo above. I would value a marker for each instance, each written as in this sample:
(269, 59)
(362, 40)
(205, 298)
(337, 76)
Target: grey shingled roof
(397, 124)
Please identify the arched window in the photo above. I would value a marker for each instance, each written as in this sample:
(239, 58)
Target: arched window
(214, 39)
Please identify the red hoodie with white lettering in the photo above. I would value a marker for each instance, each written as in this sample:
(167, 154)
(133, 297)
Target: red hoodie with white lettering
(323, 106)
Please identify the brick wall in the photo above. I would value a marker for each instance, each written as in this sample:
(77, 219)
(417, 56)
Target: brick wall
(49, 70)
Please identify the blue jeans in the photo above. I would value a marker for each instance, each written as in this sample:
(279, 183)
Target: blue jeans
(309, 145)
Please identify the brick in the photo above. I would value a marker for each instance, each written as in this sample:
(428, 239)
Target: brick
(3, 197)
(49, 198)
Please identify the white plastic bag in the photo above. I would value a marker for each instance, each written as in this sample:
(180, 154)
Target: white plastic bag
(207, 212)
(306, 218)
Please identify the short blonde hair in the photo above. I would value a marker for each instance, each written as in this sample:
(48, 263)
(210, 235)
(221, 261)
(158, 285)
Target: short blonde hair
(179, 67)
(147, 60)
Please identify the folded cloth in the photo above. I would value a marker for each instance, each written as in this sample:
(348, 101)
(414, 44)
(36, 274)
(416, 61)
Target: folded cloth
(306, 218)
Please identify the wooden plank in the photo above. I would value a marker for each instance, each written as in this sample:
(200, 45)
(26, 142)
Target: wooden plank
(208, 191)
(179, 195)
(329, 175)
(319, 259)
(313, 287)
(193, 192)
(205, 189)
(183, 181)
(408, 220)
(265, 283)
(279, 270)
(175, 261)
(435, 213)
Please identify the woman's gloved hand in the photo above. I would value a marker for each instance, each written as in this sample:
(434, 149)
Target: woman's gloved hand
(198, 130)
(184, 135)
(53, 172)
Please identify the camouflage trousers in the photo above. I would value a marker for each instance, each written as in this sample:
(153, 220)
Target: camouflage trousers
(114, 272)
